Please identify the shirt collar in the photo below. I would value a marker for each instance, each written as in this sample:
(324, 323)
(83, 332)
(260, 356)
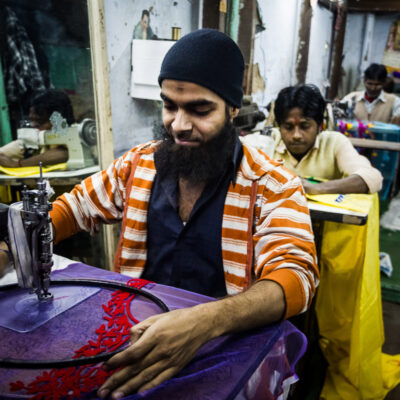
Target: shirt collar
(381, 97)
(236, 159)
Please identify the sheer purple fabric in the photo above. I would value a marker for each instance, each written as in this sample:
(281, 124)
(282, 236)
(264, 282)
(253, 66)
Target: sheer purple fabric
(254, 365)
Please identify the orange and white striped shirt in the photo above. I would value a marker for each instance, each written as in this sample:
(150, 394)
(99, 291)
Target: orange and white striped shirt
(266, 227)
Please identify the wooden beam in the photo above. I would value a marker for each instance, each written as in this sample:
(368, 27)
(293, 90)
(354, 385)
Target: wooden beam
(247, 31)
(211, 14)
(373, 5)
(102, 100)
(364, 5)
(375, 144)
(328, 4)
(340, 27)
(304, 41)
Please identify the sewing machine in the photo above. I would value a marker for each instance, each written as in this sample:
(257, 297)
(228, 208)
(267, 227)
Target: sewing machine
(30, 240)
(249, 115)
(80, 139)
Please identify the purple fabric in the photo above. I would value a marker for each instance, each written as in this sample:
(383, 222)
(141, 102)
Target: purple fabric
(252, 365)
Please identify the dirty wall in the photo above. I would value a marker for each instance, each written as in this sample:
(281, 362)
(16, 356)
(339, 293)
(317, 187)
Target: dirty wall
(134, 120)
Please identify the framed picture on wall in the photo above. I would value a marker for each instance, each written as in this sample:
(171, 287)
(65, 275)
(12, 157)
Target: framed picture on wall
(391, 56)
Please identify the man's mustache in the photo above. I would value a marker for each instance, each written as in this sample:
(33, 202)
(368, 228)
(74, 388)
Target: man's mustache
(184, 136)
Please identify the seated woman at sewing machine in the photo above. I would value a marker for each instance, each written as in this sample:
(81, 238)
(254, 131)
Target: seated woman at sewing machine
(310, 152)
(20, 154)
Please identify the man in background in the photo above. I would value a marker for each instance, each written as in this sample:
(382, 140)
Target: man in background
(373, 104)
(310, 152)
(18, 153)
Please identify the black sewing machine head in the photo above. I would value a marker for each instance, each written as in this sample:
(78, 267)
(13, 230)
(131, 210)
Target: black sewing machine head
(30, 239)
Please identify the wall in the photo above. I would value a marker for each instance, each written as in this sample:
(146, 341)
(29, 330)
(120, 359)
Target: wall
(319, 48)
(134, 120)
(352, 50)
(275, 47)
(381, 32)
(365, 41)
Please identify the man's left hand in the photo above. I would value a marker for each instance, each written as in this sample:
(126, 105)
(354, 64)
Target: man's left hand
(396, 120)
(160, 347)
(8, 162)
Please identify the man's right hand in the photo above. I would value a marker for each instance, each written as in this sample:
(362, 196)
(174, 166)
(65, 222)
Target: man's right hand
(396, 120)
(160, 347)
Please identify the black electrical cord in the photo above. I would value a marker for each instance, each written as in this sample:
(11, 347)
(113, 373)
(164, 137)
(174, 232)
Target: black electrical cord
(74, 362)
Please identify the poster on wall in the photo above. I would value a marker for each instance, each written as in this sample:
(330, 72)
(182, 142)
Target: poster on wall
(158, 23)
(143, 29)
(391, 56)
(155, 22)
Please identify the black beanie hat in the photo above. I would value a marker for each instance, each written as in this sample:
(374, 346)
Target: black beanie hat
(209, 58)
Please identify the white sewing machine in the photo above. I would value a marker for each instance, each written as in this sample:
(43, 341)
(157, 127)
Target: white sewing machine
(80, 139)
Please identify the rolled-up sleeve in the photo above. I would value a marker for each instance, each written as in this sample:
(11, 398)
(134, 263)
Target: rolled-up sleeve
(284, 245)
(350, 162)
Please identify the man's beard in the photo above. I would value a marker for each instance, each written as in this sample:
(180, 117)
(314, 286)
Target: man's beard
(202, 163)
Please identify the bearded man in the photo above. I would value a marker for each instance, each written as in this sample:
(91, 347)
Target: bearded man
(202, 212)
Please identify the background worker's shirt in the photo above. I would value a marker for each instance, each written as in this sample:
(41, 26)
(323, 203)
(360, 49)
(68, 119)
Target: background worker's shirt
(332, 157)
(383, 108)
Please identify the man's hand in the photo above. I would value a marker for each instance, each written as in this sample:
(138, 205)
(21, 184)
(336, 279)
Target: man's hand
(351, 184)
(160, 347)
(310, 188)
(396, 120)
(163, 344)
(8, 162)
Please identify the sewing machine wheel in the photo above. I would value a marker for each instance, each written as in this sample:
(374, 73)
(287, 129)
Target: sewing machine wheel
(87, 131)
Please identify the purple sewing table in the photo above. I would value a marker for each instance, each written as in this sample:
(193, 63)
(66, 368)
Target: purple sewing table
(258, 364)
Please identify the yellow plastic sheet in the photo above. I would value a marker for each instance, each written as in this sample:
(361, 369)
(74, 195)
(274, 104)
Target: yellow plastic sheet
(349, 309)
(353, 202)
(28, 171)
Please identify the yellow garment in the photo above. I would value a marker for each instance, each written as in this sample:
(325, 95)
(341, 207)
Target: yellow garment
(28, 171)
(353, 202)
(5, 194)
(349, 309)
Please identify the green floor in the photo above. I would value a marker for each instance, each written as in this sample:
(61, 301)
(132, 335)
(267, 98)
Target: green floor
(389, 242)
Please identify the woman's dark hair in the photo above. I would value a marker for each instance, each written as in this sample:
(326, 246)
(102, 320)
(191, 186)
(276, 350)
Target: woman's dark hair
(376, 72)
(306, 97)
(145, 12)
(48, 101)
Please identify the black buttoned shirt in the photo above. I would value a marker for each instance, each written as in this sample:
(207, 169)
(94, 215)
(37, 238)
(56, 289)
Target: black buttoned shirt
(188, 255)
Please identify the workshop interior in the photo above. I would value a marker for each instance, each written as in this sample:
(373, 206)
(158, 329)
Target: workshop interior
(80, 88)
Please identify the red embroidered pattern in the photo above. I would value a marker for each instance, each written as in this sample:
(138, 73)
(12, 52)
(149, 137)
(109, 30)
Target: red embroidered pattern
(74, 382)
